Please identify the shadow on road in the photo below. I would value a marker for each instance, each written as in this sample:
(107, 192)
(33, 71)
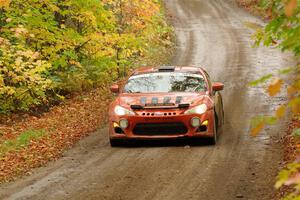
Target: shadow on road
(182, 142)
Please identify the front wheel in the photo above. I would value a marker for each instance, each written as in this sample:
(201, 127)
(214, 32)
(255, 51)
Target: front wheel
(115, 142)
(213, 140)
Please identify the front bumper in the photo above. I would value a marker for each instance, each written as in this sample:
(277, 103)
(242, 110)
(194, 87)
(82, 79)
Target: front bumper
(184, 119)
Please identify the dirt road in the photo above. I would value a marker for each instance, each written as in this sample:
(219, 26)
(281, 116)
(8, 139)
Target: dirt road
(211, 34)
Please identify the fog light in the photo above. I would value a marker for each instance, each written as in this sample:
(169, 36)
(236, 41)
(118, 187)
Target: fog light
(205, 123)
(115, 125)
(123, 123)
(195, 121)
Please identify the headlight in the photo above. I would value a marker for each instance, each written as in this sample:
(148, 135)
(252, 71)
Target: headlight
(123, 111)
(197, 109)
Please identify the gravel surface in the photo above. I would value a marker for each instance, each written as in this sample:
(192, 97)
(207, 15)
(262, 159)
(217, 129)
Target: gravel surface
(211, 34)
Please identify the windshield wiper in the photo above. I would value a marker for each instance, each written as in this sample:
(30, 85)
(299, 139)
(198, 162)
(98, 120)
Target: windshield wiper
(130, 91)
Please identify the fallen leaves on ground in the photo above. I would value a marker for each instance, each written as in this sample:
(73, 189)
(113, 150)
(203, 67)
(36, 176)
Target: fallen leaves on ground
(66, 124)
(290, 154)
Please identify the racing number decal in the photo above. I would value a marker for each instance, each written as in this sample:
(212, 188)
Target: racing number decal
(178, 99)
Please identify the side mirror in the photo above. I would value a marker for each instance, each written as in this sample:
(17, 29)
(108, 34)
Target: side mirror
(218, 86)
(114, 89)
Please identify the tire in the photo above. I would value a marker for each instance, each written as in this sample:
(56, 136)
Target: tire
(223, 115)
(213, 140)
(115, 142)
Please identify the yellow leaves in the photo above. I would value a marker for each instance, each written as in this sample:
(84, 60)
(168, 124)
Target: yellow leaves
(53, 7)
(102, 33)
(18, 61)
(1, 81)
(280, 111)
(19, 31)
(252, 25)
(290, 7)
(291, 90)
(9, 90)
(259, 122)
(75, 63)
(275, 87)
(4, 41)
(295, 105)
(4, 3)
(23, 75)
(257, 129)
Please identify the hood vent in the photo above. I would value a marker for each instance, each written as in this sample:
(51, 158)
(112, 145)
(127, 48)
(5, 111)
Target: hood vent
(160, 106)
(166, 69)
(136, 107)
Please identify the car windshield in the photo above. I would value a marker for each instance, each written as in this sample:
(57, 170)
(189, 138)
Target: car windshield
(165, 82)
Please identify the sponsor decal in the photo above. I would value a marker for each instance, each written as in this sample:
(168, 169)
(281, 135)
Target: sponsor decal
(159, 119)
(166, 101)
(154, 100)
(158, 114)
(178, 99)
(143, 100)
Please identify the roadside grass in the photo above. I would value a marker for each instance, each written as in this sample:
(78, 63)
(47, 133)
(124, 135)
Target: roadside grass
(21, 141)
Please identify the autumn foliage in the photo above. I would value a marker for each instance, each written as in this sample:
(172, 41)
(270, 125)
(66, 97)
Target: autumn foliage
(51, 48)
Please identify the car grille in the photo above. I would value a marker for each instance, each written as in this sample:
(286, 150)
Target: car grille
(173, 128)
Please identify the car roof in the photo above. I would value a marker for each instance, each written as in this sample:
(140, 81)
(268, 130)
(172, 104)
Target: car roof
(146, 70)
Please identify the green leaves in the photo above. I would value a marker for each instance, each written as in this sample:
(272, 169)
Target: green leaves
(284, 27)
(296, 132)
(261, 80)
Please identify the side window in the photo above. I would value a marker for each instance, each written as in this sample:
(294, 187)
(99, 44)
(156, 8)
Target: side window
(208, 80)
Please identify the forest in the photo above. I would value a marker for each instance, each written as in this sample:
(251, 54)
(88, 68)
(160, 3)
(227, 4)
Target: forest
(52, 48)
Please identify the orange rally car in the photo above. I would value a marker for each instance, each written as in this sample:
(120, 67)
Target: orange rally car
(166, 102)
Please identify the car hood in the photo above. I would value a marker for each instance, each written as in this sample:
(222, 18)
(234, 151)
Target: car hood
(161, 99)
